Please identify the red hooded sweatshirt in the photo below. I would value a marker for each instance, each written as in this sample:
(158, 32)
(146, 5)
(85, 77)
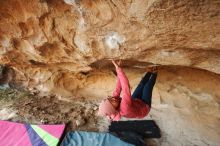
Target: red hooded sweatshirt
(129, 107)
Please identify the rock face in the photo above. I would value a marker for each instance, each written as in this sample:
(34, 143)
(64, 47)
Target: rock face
(49, 42)
(63, 47)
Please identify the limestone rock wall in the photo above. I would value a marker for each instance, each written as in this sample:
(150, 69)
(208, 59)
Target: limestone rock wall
(53, 45)
(42, 37)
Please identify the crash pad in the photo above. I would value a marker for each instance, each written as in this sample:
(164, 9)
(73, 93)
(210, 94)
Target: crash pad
(19, 134)
(82, 138)
(146, 128)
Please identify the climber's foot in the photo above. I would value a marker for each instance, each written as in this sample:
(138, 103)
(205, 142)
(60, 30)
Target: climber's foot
(152, 68)
(155, 69)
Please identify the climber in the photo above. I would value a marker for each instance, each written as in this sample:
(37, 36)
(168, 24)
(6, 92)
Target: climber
(136, 106)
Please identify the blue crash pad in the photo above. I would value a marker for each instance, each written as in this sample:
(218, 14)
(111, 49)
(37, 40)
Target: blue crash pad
(80, 138)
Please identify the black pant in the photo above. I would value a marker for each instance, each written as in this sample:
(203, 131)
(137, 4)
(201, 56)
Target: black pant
(145, 88)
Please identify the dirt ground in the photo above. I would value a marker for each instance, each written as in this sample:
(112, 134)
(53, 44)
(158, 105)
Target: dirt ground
(23, 106)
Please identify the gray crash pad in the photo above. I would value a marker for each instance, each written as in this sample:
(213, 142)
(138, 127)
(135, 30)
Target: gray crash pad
(80, 138)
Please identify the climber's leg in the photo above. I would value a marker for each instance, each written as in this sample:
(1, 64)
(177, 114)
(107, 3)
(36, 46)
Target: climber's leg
(139, 89)
(148, 88)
